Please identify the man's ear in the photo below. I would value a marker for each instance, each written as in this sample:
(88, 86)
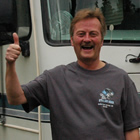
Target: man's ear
(71, 40)
(102, 43)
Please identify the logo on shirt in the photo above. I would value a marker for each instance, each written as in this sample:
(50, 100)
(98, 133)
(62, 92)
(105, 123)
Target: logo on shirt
(105, 99)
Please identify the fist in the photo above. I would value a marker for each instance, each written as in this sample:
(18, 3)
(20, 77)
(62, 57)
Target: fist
(14, 50)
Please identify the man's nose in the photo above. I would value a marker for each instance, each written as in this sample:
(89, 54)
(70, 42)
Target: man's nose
(87, 38)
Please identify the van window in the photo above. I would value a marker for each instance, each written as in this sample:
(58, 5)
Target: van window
(122, 19)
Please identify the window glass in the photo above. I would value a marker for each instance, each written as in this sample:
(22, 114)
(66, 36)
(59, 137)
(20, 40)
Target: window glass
(122, 18)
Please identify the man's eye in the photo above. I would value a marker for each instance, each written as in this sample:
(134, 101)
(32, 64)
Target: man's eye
(93, 34)
(80, 34)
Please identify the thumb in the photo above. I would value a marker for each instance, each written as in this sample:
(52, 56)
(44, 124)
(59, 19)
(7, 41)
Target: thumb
(16, 38)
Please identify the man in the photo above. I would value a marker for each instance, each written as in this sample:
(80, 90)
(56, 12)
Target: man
(88, 99)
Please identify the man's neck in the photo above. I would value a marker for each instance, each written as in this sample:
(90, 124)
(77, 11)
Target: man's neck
(91, 65)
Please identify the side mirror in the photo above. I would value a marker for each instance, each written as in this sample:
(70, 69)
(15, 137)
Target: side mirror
(8, 16)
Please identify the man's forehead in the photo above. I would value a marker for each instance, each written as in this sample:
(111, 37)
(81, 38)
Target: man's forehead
(88, 23)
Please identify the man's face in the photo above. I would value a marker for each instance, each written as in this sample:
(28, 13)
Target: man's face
(87, 40)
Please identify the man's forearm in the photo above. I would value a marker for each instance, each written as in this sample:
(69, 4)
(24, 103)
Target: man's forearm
(15, 94)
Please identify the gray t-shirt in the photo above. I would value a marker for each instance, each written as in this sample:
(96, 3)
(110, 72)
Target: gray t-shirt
(85, 104)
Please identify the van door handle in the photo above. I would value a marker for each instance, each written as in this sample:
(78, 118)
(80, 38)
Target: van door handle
(135, 60)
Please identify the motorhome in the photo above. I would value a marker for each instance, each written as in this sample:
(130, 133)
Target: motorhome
(43, 29)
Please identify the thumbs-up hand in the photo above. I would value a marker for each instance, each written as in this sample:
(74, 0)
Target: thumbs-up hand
(14, 50)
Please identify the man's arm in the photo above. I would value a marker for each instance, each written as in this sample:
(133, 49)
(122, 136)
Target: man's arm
(132, 134)
(15, 94)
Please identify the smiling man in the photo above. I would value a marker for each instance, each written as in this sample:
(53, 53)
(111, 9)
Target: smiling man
(88, 99)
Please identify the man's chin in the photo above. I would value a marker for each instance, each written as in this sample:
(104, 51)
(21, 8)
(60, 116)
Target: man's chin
(87, 59)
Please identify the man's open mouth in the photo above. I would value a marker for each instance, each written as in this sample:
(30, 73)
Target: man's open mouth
(87, 47)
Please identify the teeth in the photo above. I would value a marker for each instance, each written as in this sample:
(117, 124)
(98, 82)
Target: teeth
(83, 47)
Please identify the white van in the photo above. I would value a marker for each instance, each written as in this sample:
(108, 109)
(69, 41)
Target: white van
(43, 28)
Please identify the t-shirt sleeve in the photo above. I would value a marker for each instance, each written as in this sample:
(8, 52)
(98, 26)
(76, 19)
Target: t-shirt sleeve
(131, 111)
(36, 93)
